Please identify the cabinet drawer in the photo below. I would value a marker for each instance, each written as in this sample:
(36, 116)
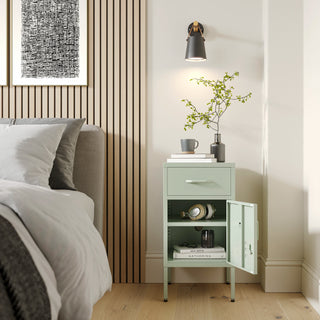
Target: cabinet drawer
(199, 181)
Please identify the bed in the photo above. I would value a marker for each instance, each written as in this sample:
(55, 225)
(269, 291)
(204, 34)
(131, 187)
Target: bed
(53, 263)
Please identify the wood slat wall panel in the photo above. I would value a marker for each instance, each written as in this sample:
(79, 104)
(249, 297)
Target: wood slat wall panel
(114, 100)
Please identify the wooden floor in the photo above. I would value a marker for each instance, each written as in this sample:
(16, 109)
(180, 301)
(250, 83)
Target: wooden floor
(200, 301)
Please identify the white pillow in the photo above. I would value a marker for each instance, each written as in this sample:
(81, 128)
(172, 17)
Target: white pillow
(27, 152)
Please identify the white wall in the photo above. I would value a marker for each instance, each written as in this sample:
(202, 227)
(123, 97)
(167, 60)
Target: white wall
(283, 194)
(311, 266)
(233, 33)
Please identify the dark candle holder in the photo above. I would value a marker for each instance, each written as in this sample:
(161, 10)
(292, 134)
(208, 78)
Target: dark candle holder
(207, 238)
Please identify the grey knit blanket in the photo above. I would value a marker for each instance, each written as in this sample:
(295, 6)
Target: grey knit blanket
(23, 294)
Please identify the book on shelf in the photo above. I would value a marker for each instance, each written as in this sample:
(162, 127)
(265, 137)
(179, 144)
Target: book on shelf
(193, 160)
(182, 249)
(192, 156)
(209, 255)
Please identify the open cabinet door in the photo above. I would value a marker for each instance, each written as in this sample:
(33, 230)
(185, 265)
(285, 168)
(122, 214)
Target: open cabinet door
(242, 235)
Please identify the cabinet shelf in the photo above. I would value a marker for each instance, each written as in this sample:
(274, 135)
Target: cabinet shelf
(196, 263)
(201, 223)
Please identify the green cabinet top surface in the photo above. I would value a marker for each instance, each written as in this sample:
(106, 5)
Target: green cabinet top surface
(199, 165)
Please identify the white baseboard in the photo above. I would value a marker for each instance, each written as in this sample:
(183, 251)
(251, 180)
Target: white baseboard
(280, 275)
(275, 276)
(154, 267)
(311, 285)
(154, 273)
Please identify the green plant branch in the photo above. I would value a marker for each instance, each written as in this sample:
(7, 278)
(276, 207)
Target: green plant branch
(217, 106)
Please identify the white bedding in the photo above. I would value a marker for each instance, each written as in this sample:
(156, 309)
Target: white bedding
(60, 223)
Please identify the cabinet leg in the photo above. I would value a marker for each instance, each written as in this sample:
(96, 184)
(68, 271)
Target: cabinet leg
(233, 283)
(165, 284)
(227, 275)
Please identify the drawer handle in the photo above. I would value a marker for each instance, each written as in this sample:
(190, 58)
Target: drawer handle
(197, 181)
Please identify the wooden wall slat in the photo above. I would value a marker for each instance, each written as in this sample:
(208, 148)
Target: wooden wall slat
(129, 141)
(110, 148)
(6, 101)
(18, 97)
(143, 135)
(64, 102)
(97, 63)
(84, 103)
(71, 102)
(52, 102)
(32, 109)
(44, 102)
(116, 137)
(136, 139)
(57, 106)
(12, 107)
(114, 99)
(77, 102)
(91, 60)
(38, 102)
(25, 102)
(123, 140)
(103, 91)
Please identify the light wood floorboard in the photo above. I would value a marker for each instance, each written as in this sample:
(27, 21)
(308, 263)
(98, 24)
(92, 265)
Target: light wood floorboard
(200, 301)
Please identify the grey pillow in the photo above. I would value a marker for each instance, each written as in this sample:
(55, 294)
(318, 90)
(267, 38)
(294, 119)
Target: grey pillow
(62, 172)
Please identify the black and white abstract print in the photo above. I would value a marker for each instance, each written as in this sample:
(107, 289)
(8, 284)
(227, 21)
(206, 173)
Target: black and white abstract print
(50, 38)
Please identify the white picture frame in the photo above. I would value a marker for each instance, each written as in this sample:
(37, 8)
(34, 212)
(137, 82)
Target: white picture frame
(3, 43)
(41, 53)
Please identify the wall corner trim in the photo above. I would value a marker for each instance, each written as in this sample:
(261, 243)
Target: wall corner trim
(311, 271)
(311, 285)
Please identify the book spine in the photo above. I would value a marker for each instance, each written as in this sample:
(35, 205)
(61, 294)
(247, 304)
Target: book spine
(199, 250)
(192, 160)
(191, 156)
(213, 255)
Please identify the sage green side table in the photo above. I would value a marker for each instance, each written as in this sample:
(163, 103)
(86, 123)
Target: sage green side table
(234, 223)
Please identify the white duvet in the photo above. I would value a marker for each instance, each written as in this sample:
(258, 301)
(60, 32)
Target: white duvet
(61, 226)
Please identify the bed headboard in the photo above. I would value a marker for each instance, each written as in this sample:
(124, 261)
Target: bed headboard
(89, 167)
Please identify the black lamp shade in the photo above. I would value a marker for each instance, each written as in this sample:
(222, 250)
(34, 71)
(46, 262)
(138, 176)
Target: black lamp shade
(195, 48)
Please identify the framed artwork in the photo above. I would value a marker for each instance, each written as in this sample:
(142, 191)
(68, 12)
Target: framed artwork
(49, 42)
(3, 43)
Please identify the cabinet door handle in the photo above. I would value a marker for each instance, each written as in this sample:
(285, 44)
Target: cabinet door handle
(250, 249)
(197, 181)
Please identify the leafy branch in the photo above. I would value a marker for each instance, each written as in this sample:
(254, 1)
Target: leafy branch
(218, 104)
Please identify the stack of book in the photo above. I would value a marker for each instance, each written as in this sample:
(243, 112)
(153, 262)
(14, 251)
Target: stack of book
(181, 252)
(192, 157)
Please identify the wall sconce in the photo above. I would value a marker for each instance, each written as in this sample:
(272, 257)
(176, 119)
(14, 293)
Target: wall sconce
(195, 43)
